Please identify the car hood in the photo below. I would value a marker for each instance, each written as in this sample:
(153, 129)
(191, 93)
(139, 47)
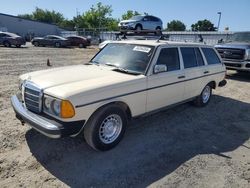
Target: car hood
(71, 80)
(240, 45)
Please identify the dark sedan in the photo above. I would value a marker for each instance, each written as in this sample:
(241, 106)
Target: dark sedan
(8, 39)
(80, 41)
(51, 40)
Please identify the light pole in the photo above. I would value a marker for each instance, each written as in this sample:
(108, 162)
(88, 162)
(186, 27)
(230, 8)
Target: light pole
(218, 27)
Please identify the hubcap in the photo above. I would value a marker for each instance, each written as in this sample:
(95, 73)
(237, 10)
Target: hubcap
(110, 128)
(206, 94)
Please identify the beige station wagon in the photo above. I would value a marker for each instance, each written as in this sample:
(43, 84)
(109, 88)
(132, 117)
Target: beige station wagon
(124, 80)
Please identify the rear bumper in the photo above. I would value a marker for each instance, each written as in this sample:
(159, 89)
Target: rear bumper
(242, 65)
(43, 123)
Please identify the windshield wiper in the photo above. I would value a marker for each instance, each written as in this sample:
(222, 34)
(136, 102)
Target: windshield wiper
(119, 69)
(111, 65)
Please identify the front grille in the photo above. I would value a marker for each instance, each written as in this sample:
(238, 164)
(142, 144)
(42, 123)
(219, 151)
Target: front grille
(231, 53)
(32, 97)
(233, 65)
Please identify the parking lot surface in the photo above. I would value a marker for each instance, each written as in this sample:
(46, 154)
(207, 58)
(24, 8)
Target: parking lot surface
(183, 146)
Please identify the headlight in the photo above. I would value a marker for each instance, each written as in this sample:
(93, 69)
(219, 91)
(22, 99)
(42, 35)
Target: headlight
(247, 55)
(57, 107)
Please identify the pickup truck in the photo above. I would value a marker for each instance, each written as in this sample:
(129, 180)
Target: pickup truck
(236, 53)
(125, 79)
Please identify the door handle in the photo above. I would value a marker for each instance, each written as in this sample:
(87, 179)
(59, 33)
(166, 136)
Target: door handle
(206, 72)
(181, 77)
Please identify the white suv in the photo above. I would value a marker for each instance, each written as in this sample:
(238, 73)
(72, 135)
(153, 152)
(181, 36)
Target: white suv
(125, 79)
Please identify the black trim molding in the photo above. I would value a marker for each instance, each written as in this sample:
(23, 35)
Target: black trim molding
(82, 105)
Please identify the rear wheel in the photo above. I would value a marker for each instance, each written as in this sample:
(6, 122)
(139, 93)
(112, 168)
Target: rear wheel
(18, 45)
(81, 45)
(106, 127)
(7, 44)
(36, 43)
(204, 98)
(57, 44)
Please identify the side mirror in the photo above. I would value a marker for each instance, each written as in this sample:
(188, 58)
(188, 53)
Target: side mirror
(160, 68)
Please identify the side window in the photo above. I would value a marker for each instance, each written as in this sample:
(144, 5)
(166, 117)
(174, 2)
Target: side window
(146, 18)
(170, 58)
(211, 56)
(199, 58)
(3, 35)
(189, 57)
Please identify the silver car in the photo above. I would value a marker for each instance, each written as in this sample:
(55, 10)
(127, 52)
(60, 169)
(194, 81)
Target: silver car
(141, 23)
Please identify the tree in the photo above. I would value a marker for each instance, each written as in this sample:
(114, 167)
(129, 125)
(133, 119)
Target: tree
(129, 14)
(45, 16)
(98, 16)
(203, 25)
(26, 16)
(176, 25)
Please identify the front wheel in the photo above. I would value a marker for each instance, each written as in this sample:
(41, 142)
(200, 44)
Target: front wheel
(7, 44)
(204, 98)
(106, 127)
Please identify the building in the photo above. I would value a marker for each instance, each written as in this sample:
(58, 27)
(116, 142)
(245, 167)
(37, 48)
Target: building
(27, 28)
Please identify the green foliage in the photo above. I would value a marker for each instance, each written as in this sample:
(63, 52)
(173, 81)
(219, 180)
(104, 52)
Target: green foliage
(176, 25)
(129, 14)
(46, 16)
(26, 16)
(203, 25)
(97, 16)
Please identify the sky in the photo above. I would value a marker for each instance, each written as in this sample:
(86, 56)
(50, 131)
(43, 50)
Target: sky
(235, 13)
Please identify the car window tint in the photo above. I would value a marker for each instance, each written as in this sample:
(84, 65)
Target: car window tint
(170, 58)
(189, 57)
(211, 56)
(199, 58)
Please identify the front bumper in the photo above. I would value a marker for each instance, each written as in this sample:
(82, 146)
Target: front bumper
(242, 65)
(45, 124)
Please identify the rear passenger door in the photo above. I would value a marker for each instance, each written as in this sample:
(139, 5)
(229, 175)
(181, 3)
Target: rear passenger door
(194, 69)
(164, 88)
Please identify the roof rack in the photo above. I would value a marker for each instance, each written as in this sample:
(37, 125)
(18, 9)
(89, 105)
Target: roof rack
(142, 35)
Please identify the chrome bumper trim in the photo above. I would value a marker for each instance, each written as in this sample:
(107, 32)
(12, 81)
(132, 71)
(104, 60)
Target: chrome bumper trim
(34, 120)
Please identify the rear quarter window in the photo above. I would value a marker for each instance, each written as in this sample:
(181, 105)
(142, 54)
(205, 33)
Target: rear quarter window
(211, 56)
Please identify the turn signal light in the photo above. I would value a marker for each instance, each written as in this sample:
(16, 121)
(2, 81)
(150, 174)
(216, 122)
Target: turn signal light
(67, 109)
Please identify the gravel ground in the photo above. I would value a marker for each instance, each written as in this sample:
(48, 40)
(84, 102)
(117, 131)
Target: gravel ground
(181, 147)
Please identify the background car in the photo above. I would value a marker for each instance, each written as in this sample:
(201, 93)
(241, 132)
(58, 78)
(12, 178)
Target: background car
(140, 22)
(80, 41)
(51, 40)
(8, 39)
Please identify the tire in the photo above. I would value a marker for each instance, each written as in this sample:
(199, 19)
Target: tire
(57, 44)
(18, 45)
(138, 28)
(106, 127)
(205, 96)
(7, 44)
(158, 31)
(36, 43)
(81, 45)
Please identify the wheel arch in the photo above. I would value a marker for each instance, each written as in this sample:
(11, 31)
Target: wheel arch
(212, 84)
(124, 106)
(138, 24)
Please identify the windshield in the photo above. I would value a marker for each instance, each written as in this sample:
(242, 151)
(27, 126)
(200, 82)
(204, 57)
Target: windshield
(241, 37)
(129, 57)
(137, 18)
